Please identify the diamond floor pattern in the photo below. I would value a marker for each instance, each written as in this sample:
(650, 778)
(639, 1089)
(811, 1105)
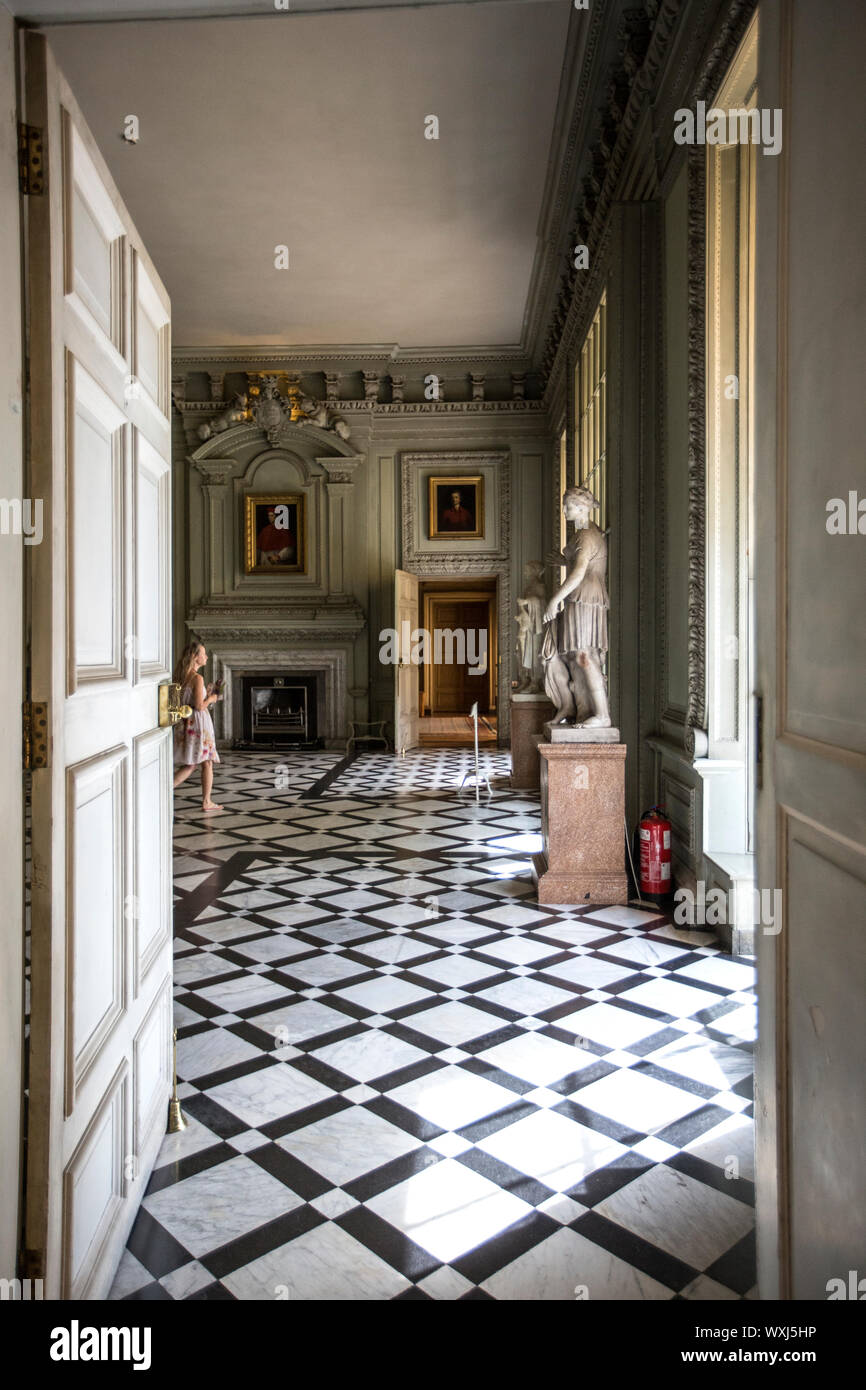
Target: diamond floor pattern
(404, 1078)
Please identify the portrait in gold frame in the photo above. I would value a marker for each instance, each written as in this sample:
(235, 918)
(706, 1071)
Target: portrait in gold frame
(275, 533)
(455, 507)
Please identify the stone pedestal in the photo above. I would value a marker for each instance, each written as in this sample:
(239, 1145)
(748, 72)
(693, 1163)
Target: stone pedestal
(582, 821)
(529, 713)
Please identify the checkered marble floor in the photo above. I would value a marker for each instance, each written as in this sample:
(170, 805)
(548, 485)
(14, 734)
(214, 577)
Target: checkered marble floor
(406, 1079)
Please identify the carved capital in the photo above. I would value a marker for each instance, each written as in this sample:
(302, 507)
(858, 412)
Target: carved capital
(214, 472)
(340, 470)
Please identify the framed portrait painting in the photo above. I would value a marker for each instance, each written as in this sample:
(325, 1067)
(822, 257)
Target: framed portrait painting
(275, 534)
(456, 508)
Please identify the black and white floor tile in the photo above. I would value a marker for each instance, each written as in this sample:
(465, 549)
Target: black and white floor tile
(404, 1078)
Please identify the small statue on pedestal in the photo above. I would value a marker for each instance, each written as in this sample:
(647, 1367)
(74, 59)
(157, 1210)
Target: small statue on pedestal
(575, 636)
(530, 629)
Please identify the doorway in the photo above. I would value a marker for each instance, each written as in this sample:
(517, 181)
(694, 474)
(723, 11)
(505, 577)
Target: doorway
(460, 662)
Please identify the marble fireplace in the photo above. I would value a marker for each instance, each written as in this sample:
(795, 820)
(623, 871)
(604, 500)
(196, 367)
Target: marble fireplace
(324, 669)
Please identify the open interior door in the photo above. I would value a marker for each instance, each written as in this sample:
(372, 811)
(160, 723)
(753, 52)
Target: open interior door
(406, 678)
(98, 457)
(811, 801)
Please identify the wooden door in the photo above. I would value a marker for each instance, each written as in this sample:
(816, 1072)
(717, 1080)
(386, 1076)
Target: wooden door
(455, 685)
(811, 800)
(98, 456)
(406, 679)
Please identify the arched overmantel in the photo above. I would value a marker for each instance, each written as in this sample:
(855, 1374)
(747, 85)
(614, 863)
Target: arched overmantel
(294, 620)
(244, 460)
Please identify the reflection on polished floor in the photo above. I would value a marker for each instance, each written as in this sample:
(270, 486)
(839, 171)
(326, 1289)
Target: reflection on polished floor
(405, 1079)
(456, 730)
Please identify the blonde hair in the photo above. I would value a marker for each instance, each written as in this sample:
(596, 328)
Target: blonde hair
(185, 668)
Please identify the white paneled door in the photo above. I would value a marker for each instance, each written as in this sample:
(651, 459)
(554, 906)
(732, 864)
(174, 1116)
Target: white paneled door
(811, 587)
(99, 585)
(406, 672)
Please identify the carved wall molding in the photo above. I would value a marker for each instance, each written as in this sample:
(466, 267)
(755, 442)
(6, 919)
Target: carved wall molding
(383, 355)
(295, 438)
(508, 406)
(708, 80)
(696, 707)
(561, 180)
(645, 40)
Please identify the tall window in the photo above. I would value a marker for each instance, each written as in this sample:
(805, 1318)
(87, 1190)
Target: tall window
(729, 368)
(590, 423)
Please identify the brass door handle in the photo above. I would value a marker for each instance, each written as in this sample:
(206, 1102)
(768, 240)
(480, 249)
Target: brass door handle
(171, 711)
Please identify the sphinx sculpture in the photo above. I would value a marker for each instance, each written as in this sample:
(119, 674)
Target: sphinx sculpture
(575, 635)
(530, 629)
(236, 414)
(318, 413)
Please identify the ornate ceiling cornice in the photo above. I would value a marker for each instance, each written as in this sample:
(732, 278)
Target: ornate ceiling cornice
(348, 355)
(375, 408)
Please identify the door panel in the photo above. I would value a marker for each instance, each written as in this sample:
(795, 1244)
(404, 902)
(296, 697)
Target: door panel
(99, 458)
(811, 807)
(406, 672)
(94, 519)
(94, 913)
(454, 687)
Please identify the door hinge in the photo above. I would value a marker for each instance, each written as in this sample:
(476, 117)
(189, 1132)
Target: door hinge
(31, 165)
(34, 724)
(759, 741)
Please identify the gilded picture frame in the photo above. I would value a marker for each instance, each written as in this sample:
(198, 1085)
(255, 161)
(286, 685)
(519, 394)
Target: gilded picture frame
(455, 507)
(275, 533)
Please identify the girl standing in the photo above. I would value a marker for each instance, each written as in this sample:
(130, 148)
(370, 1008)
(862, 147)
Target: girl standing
(194, 740)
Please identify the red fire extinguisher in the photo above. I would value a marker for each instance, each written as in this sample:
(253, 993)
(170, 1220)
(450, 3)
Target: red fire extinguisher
(654, 834)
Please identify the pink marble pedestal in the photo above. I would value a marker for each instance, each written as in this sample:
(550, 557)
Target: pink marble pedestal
(582, 811)
(529, 714)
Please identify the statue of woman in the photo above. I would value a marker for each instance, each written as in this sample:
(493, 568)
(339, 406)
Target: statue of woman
(530, 628)
(575, 636)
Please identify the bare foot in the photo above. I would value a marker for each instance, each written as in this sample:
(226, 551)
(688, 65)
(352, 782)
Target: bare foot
(210, 806)
(595, 722)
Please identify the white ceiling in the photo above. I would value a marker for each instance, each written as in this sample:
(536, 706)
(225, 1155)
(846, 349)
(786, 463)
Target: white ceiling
(308, 130)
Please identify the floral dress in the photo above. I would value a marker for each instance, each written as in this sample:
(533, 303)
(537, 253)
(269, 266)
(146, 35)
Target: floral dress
(194, 738)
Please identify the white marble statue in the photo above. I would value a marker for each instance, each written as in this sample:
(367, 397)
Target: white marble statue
(530, 629)
(575, 637)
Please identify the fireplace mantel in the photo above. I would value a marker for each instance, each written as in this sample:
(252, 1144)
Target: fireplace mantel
(328, 619)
